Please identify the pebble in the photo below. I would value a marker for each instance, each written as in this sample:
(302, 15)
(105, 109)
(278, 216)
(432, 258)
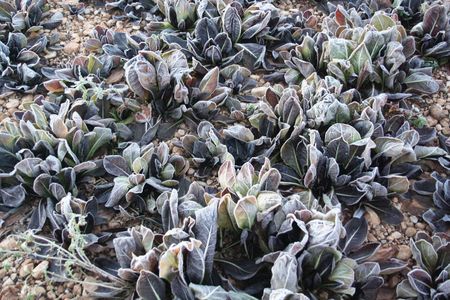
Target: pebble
(39, 270)
(441, 101)
(77, 289)
(431, 121)
(13, 103)
(403, 225)
(11, 111)
(404, 252)
(50, 55)
(259, 92)
(372, 217)
(395, 235)
(414, 219)
(71, 48)
(393, 281)
(119, 24)
(27, 98)
(410, 231)
(8, 281)
(39, 290)
(436, 112)
(75, 38)
(371, 238)
(25, 269)
(420, 225)
(8, 244)
(181, 132)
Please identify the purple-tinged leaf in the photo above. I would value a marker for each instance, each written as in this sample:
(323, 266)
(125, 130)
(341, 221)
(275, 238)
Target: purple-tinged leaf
(150, 287)
(420, 281)
(116, 165)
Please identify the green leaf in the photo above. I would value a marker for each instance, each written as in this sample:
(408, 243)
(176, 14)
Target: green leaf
(121, 187)
(227, 175)
(343, 273)
(405, 291)
(421, 83)
(268, 199)
(244, 179)
(389, 146)
(284, 273)
(348, 133)
(205, 292)
(93, 64)
(425, 255)
(374, 42)
(382, 22)
(39, 116)
(423, 152)
(225, 218)
(102, 137)
(398, 184)
(205, 230)
(140, 165)
(245, 212)
(360, 57)
(340, 48)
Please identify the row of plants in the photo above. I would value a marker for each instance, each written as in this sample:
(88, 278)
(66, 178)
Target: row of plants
(293, 170)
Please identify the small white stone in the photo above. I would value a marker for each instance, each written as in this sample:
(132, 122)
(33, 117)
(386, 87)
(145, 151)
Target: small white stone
(414, 219)
(40, 270)
(13, 103)
(259, 92)
(404, 253)
(396, 235)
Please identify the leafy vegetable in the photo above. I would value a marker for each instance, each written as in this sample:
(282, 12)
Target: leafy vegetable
(429, 277)
(437, 217)
(27, 16)
(433, 33)
(19, 63)
(140, 171)
(158, 78)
